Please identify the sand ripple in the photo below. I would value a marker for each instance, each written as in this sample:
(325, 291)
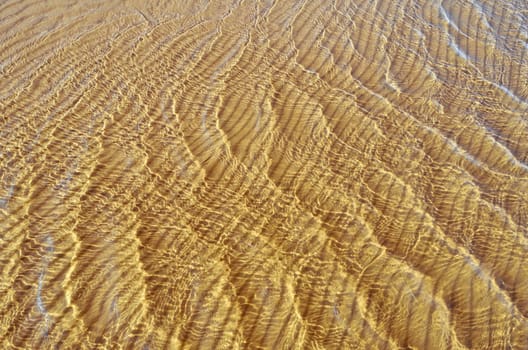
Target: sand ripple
(285, 174)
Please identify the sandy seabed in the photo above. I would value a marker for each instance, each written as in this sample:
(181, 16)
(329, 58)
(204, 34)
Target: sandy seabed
(264, 174)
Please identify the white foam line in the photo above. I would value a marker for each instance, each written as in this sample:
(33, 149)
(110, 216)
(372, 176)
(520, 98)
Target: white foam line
(5, 201)
(40, 305)
(458, 50)
(510, 93)
(450, 21)
(452, 43)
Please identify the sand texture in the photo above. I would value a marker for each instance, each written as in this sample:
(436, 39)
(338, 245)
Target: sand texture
(264, 174)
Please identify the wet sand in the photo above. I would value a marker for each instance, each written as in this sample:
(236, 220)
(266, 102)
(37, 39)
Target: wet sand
(264, 174)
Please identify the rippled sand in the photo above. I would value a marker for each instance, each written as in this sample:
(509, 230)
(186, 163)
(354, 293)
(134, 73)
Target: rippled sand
(264, 174)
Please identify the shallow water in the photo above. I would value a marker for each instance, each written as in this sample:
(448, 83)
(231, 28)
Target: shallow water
(264, 174)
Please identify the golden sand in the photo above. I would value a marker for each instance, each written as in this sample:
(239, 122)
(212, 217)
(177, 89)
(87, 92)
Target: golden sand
(264, 174)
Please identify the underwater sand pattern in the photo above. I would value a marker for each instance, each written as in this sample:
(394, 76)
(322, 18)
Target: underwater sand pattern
(270, 174)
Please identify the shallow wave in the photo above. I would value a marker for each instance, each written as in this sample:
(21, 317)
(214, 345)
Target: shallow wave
(264, 174)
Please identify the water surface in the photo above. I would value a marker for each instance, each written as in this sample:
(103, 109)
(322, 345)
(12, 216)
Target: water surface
(264, 174)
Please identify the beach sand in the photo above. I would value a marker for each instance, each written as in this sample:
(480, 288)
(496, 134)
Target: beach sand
(270, 174)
